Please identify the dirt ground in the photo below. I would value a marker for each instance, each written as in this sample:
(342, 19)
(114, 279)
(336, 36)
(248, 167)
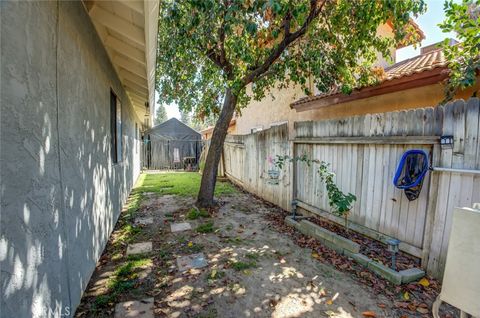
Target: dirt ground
(253, 270)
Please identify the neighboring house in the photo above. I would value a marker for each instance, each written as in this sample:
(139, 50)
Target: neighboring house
(76, 81)
(413, 83)
(169, 143)
(207, 132)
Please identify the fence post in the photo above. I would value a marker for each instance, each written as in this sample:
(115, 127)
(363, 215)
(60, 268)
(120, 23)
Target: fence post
(431, 206)
(294, 171)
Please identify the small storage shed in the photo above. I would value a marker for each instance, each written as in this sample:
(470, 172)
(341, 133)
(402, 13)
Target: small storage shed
(171, 145)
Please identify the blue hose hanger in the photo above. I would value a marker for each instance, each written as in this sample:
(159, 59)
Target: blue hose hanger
(411, 171)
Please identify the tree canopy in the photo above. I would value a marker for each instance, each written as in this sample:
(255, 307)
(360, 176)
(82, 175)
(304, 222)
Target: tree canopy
(206, 46)
(210, 51)
(464, 59)
(160, 114)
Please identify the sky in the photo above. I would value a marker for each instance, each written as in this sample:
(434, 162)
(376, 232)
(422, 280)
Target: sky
(428, 23)
(172, 110)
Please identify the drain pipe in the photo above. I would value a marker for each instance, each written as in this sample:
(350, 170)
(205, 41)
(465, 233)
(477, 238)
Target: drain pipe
(461, 171)
(294, 209)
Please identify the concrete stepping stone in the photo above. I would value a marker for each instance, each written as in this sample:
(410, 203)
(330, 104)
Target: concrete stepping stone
(135, 308)
(185, 263)
(144, 220)
(179, 227)
(139, 248)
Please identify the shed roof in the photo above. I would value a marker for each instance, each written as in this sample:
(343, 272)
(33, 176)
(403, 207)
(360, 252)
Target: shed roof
(174, 129)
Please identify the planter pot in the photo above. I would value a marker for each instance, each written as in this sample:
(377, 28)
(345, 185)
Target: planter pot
(273, 175)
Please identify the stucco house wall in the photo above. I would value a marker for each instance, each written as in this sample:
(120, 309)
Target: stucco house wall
(60, 193)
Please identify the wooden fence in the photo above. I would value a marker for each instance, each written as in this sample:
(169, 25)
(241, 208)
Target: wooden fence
(364, 152)
(247, 159)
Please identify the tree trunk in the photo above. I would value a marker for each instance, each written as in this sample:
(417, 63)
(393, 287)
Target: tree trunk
(209, 176)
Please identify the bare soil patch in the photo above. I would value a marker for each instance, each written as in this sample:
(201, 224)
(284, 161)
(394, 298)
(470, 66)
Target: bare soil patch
(257, 267)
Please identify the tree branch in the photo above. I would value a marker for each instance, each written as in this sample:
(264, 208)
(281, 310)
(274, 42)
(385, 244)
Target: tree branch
(212, 56)
(220, 58)
(288, 39)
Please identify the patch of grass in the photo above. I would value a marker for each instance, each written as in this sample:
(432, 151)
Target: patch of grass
(123, 280)
(253, 256)
(240, 266)
(139, 258)
(104, 300)
(164, 254)
(235, 240)
(127, 233)
(194, 248)
(125, 274)
(209, 313)
(116, 257)
(133, 202)
(182, 239)
(178, 183)
(215, 274)
(206, 228)
(195, 213)
(122, 286)
(127, 270)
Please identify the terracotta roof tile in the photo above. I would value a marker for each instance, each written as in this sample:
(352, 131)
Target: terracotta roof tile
(418, 64)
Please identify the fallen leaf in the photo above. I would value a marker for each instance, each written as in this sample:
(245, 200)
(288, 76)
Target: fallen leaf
(369, 314)
(190, 244)
(401, 304)
(381, 305)
(315, 255)
(424, 282)
(323, 292)
(213, 274)
(422, 310)
(329, 302)
(406, 296)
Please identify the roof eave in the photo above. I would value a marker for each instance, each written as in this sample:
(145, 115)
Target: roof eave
(421, 79)
(128, 31)
(151, 29)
